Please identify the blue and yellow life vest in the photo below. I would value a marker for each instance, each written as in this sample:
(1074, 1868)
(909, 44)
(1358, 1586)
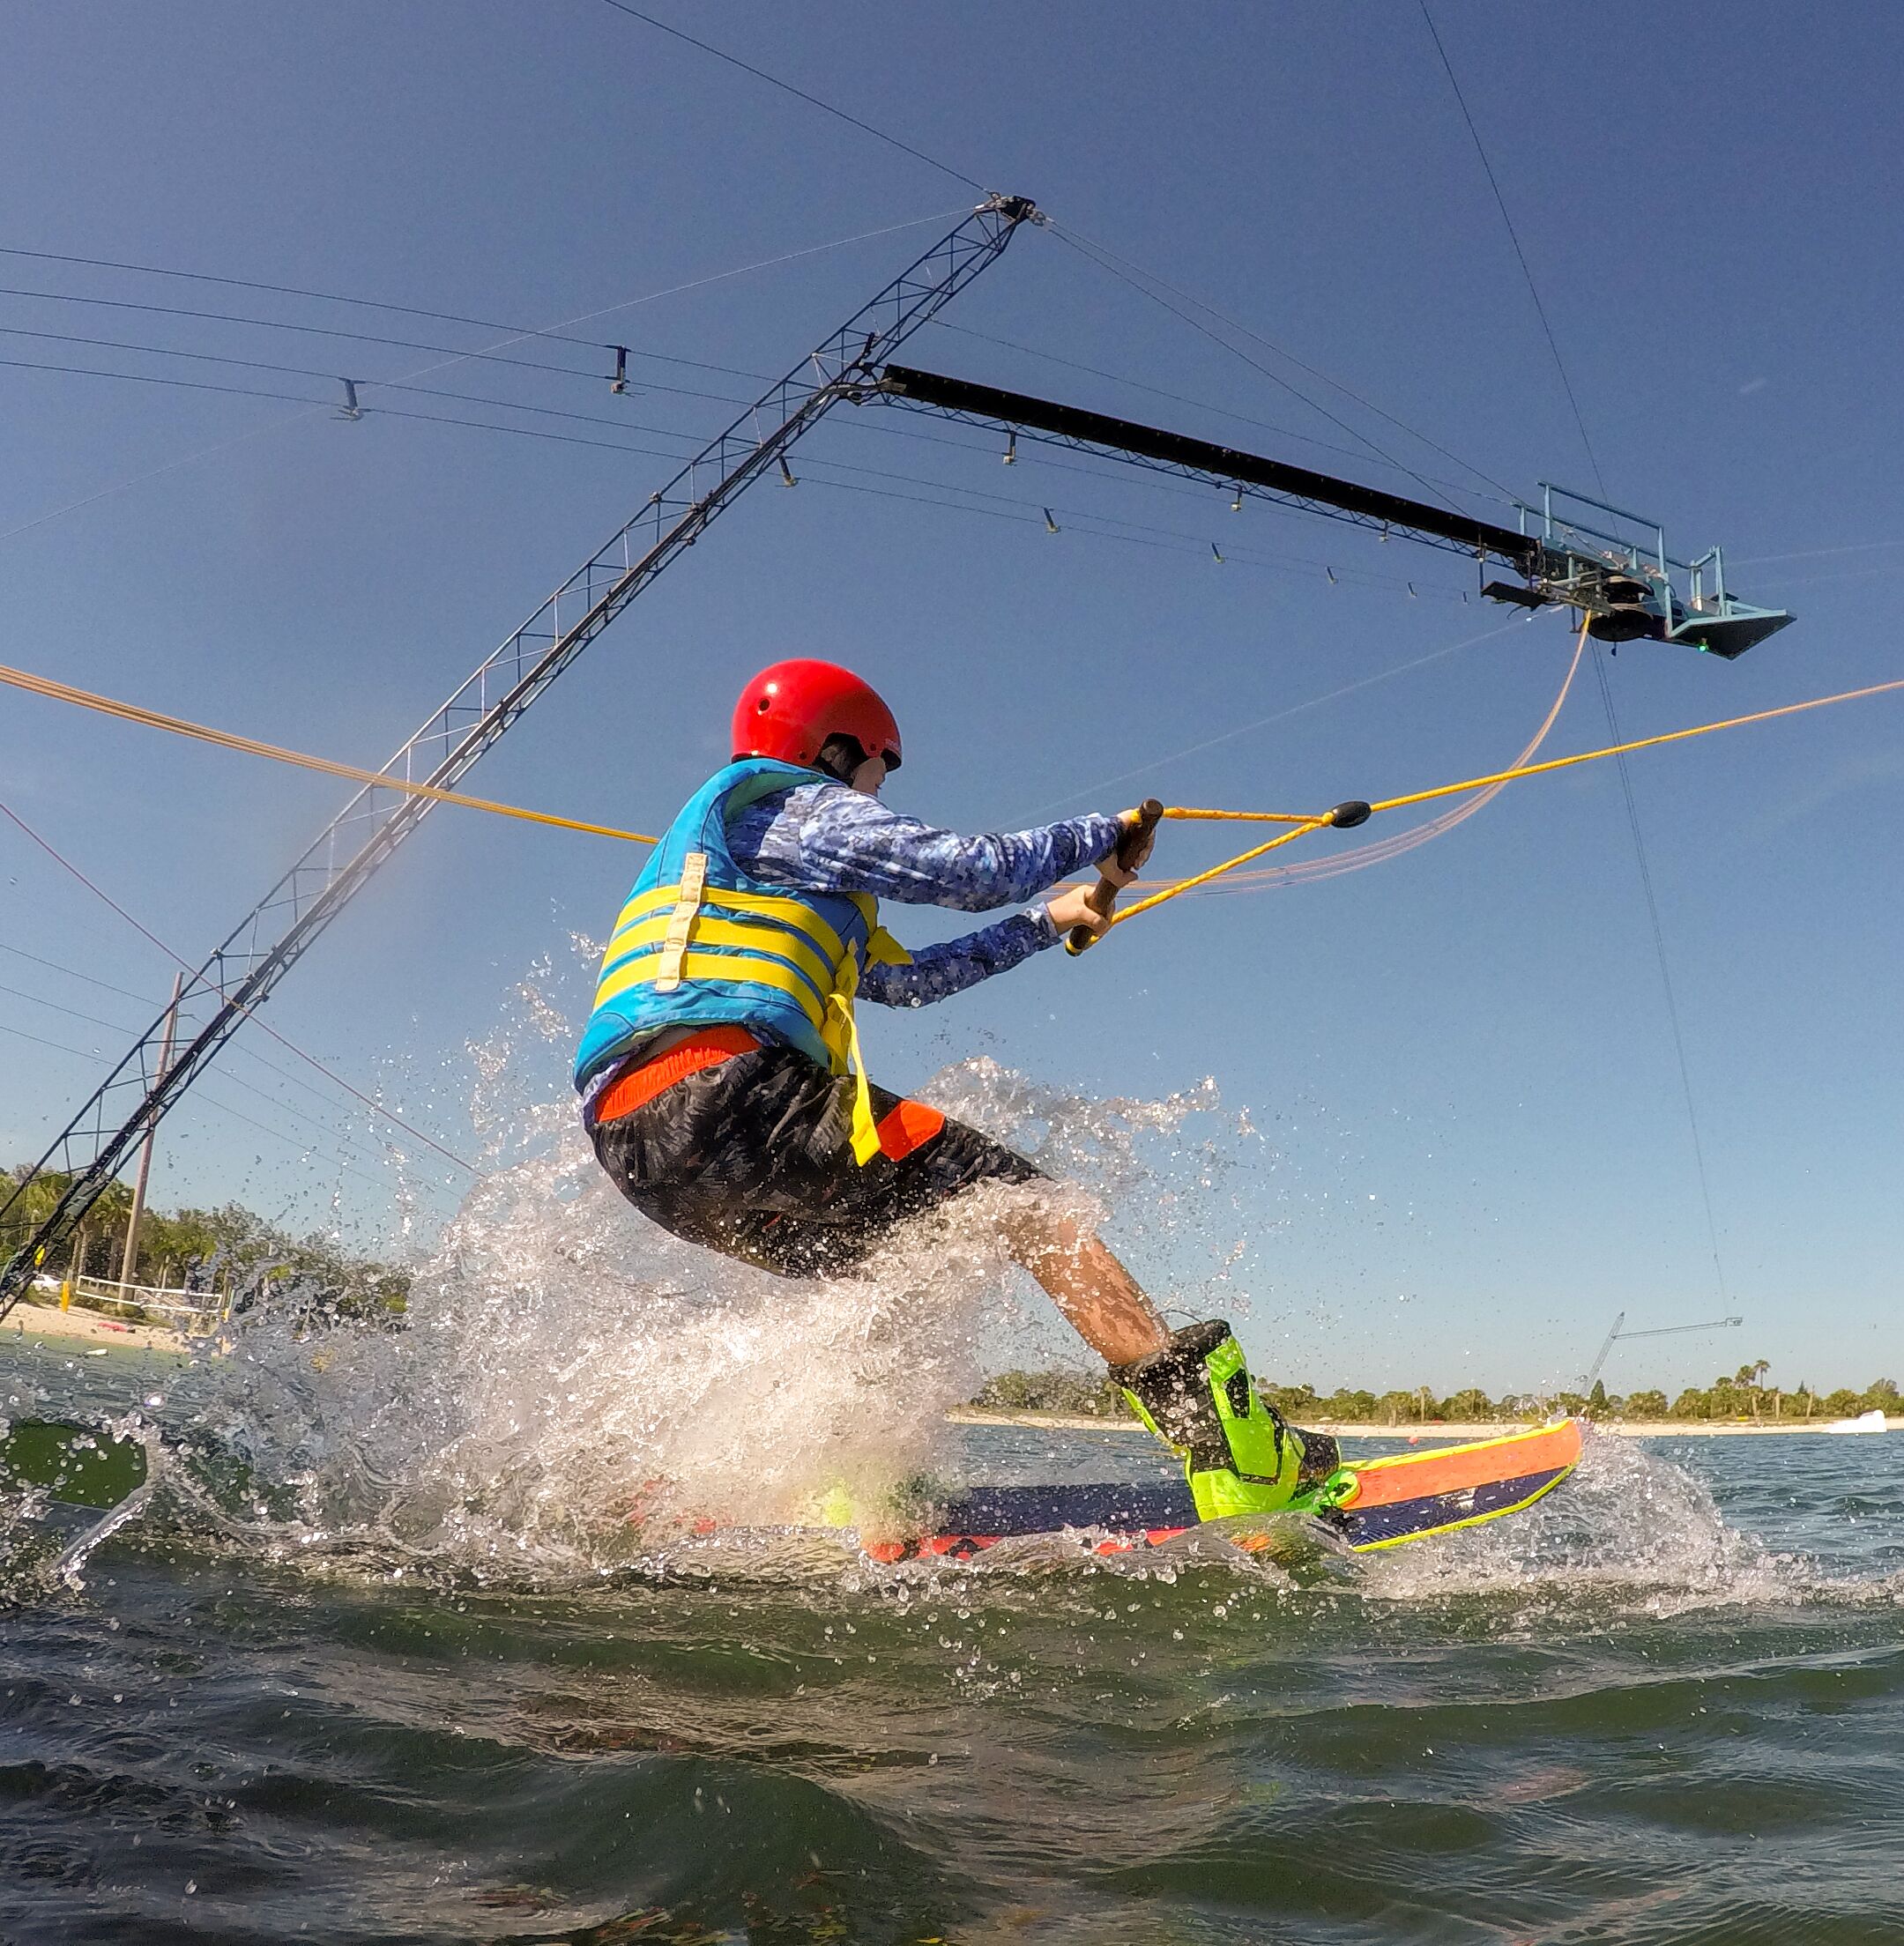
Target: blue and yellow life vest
(701, 942)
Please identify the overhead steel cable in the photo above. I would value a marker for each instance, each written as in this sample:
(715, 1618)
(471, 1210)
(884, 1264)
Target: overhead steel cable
(264, 1026)
(1171, 541)
(1090, 792)
(73, 973)
(451, 354)
(1600, 675)
(423, 371)
(1665, 971)
(364, 386)
(211, 1101)
(294, 1141)
(1513, 237)
(1031, 507)
(641, 385)
(518, 333)
(324, 405)
(249, 1053)
(1105, 261)
(774, 80)
(1813, 553)
(39, 1040)
(1129, 273)
(379, 339)
(333, 297)
(236, 1081)
(877, 424)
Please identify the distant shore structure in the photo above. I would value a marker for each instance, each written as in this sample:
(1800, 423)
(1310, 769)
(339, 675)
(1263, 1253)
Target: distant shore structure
(1483, 1429)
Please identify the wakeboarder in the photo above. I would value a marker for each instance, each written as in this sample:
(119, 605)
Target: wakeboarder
(720, 1074)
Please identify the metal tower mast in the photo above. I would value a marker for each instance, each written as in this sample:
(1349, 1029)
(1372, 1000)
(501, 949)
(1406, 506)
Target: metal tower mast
(242, 972)
(1618, 1337)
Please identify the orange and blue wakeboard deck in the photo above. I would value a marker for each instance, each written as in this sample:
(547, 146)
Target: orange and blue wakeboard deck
(1377, 1503)
(1401, 1496)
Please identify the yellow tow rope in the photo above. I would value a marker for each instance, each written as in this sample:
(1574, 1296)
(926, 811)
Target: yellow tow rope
(1300, 823)
(180, 726)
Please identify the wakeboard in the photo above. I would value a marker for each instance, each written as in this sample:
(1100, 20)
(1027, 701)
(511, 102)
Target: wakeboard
(1367, 1504)
(1364, 1504)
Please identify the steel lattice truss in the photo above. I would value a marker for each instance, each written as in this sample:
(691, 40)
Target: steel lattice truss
(241, 971)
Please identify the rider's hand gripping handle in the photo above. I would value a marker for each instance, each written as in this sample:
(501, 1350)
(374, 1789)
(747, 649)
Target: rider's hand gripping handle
(1102, 895)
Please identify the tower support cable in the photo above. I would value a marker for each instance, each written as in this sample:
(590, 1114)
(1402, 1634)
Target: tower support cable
(243, 969)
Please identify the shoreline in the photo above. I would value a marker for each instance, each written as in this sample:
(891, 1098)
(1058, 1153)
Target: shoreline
(49, 1325)
(47, 1322)
(1622, 1429)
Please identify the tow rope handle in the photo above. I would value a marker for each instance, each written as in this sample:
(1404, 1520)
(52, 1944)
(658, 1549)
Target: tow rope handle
(1102, 895)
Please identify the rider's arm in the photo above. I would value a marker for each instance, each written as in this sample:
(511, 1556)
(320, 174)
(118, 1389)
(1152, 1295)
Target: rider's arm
(827, 838)
(937, 972)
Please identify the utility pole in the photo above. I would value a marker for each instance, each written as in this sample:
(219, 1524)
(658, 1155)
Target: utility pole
(242, 972)
(128, 1262)
(75, 1269)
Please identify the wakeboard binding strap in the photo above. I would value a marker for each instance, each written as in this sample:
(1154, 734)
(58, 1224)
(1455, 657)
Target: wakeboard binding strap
(1239, 1455)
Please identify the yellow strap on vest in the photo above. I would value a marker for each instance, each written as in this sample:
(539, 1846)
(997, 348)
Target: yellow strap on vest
(681, 923)
(744, 970)
(841, 1034)
(752, 940)
(881, 949)
(789, 912)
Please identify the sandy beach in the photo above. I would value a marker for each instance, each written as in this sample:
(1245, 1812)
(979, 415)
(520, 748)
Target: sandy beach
(90, 1327)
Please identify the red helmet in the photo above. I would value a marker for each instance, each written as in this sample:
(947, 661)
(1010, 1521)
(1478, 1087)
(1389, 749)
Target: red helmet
(791, 708)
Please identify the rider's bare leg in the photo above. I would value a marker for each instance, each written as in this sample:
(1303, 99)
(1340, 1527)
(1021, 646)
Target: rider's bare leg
(1237, 1458)
(1100, 1300)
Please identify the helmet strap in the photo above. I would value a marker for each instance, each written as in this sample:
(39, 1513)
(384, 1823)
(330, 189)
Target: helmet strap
(841, 757)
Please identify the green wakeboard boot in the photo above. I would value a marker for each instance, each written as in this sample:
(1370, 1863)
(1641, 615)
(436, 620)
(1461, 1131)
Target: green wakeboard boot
(1239, 1454)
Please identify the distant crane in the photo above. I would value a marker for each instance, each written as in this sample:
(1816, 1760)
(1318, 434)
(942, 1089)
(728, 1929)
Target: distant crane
(1618, 1336)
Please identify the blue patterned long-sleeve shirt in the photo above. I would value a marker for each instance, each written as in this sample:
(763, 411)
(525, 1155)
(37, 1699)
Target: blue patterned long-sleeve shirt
(828, 837)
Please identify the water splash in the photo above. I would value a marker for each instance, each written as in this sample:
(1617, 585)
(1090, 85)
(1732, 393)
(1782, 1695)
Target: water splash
(572, 1389)
(571, 1381)
(1630, 1532)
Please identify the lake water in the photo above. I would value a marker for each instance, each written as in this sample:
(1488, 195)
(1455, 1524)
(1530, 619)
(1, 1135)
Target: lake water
(1665, 1705)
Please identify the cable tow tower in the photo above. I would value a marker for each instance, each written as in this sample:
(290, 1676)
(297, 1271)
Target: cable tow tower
(1616, 1336)
(242, 972)
(1619, 575)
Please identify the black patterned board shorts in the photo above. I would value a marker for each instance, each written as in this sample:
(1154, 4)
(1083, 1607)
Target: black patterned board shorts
(752, 1157)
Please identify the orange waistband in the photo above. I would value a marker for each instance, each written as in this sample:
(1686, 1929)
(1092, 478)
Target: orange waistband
(645, 1080)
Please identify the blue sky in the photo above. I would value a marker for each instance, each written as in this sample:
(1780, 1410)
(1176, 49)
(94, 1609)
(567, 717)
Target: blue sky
(1462, 1060)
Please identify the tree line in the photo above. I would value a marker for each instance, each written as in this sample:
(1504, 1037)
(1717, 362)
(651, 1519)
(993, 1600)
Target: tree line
(1745, 1395)
(230, 1253)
